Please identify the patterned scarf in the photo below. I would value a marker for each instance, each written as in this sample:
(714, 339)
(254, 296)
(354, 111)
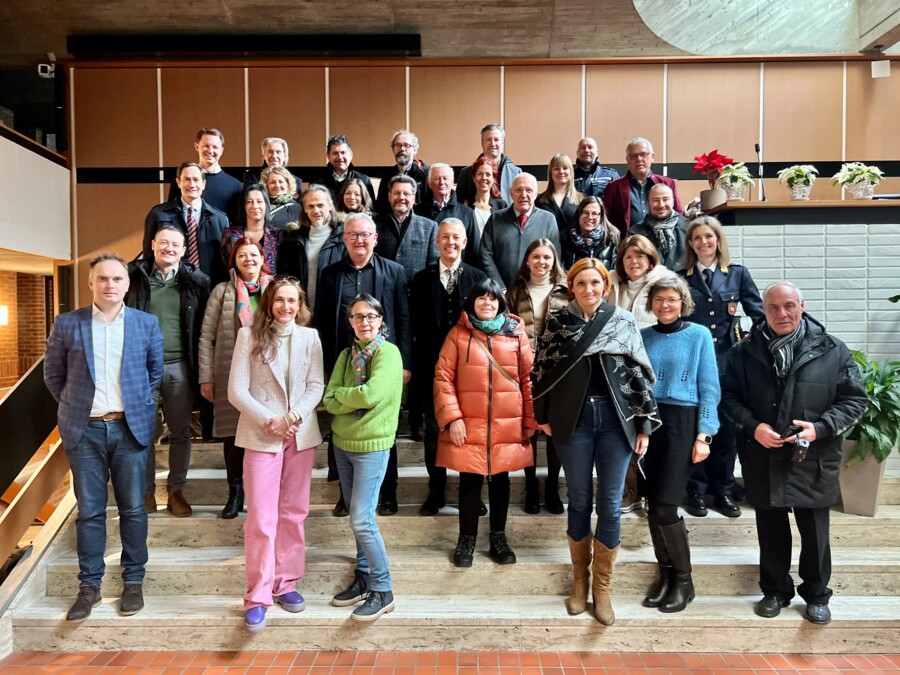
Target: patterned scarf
(564, 342)
(782, 347)
(488, 327)
(361, 355)
(244, 289)
(587, 240)
(664, 231)
(280, 200)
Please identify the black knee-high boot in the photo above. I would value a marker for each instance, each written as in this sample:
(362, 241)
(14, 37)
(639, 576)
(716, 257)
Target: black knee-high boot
(234, 470)
(658, 591)
(681, 587)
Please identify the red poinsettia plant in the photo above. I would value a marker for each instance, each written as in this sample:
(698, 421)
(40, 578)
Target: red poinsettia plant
(710, 164)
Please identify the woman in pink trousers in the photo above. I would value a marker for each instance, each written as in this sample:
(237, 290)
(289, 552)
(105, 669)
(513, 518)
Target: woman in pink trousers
(276, 382)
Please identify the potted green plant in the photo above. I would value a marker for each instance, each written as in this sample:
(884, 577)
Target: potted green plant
(799, 178)
(710, 164)
(871, 440)
(734, 179)
(859, 179)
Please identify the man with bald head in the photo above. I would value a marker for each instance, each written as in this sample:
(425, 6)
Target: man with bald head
(509, 232)
(792, 391)
(664, 226)
(437, 293)
(591, 179)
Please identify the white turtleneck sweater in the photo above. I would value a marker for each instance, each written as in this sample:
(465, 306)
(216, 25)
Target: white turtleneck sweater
(318, 235)
(539, 290)
(285, 334)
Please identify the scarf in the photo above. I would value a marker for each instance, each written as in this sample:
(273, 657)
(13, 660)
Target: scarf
(587, 241)
(782, 347)
(361, 355)
(488, 327)
(568, 337)
(664, 231)
(244, 289)
(280, 200)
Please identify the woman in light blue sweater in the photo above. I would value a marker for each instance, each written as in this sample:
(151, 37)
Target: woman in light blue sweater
(687, 392)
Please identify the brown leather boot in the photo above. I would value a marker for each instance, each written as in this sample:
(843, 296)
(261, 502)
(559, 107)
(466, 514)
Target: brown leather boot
(581, 572)
(604, 559)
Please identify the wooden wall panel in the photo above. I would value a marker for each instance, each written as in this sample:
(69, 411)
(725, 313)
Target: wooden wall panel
(116, 118)
(203, 97)
(368, 105)
(448, 107)
(623, 102)
(802, 115)
(872, 106)
(288, 103)
(542, 112)
(711, 106)
(110, 218)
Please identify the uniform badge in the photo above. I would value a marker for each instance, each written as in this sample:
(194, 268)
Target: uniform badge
(732, 308)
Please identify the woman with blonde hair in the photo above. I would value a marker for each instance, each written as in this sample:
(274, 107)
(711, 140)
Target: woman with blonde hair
(281, 186)
(560, 198)
(539, 288)
(276, 382)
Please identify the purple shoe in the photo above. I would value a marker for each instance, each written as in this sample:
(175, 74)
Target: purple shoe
(255, 619)
(291, 601)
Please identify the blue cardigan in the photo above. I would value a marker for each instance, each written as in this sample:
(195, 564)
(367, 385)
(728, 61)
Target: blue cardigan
(686, 371)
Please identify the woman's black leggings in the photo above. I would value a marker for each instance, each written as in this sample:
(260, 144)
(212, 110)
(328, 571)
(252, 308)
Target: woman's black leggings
(470, 501)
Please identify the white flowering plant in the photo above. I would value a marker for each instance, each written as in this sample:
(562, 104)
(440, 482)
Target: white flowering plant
(798, 174)
(857, 172)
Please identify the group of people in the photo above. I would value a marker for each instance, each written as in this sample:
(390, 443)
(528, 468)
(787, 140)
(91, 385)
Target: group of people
(503, 314)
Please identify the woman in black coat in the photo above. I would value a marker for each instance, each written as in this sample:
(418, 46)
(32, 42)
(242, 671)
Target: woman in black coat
(591, 235)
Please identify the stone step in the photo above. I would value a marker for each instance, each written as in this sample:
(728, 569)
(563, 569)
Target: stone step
(866, 624)
(417, 570)
(210, 486)
(407, 528)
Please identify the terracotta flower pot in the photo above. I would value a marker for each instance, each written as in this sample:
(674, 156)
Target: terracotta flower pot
(861, 485)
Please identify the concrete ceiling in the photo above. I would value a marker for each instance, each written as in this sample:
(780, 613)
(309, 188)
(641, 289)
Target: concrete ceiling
(449, 28)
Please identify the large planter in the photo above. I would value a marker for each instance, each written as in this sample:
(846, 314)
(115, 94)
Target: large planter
(712, 198)
(861, 485)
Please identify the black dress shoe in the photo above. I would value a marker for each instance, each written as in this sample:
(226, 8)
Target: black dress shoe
(340, 509)
(770, 606)
(725, 505)
(388, 506)
(820, 614)
(696, 505)
(433, 503)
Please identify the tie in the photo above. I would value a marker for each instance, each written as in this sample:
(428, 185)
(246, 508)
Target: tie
(193, 243)
(522, 218)
(451, 281)
(708, 275)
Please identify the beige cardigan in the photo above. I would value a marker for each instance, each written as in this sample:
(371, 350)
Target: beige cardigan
(257, 390)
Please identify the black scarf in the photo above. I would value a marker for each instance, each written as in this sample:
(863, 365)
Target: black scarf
(782, 347)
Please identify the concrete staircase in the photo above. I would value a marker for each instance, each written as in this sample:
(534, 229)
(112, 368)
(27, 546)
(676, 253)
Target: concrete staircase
(195, 581)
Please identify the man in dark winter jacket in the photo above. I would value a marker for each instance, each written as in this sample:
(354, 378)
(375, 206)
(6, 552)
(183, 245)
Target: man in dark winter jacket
(176, 293)
(792, 391)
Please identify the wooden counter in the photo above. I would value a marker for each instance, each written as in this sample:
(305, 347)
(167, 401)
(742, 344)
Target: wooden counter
(877, 211)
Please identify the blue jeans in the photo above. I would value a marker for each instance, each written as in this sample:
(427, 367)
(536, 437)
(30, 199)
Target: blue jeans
(598, 441)
(108, 450)
(361, 474)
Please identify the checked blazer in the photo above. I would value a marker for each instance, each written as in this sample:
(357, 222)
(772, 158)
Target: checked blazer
(69, 372)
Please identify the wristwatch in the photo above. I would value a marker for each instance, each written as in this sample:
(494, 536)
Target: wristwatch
(704, 438)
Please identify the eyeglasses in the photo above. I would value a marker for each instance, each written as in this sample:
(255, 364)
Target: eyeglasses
(361, 236)
(404, 146)
(286, 279)
(365, 318)
(592, 215)
(637, 155)
(666, 301)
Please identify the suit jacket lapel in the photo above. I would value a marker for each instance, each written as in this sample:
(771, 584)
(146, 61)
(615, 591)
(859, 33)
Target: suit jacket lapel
(87, 339)
(275, 367)
(436, 289)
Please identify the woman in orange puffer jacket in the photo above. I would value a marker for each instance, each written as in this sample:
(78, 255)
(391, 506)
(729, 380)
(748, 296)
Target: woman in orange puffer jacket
(482, 401)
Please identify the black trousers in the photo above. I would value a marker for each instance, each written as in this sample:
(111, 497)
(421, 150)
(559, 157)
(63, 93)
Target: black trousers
(773, 530)
(437, 475)
(470, 501)
(715, 474)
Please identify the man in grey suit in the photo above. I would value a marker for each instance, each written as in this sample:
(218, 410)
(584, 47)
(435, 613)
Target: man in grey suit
(103, 365)
(509, 232)
(404, 237)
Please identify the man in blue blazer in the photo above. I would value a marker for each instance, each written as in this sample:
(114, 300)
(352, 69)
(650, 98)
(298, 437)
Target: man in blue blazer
(103, 365)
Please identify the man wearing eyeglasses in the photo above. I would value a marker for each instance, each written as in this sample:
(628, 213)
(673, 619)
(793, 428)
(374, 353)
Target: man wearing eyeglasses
(404, 146)
(626, 199)
(364, 271)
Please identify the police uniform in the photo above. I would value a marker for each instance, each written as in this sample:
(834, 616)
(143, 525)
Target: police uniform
(592, 182)
(716, 307)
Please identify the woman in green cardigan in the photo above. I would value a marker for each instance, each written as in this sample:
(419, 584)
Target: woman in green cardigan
(364, 397)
